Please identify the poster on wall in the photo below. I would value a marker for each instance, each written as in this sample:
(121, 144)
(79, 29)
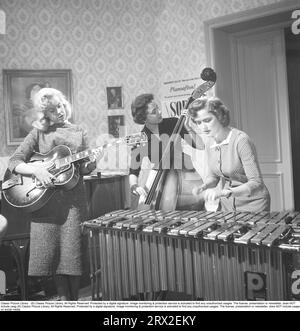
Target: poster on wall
(175, 95)
(20, 86)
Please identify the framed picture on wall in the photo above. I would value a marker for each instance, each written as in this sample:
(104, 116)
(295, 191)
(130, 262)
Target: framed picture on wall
(19, 89)
(114, 97)
(116, 126)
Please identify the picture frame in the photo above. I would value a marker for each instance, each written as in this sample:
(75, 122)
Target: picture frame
(114, 95)
(19, 87)
(116, 126)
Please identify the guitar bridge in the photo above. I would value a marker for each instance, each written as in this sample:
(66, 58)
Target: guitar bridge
(27, 194)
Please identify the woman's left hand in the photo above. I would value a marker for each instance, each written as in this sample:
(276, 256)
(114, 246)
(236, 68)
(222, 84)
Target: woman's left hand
(89, 166)
(187, 122)
(214, 194)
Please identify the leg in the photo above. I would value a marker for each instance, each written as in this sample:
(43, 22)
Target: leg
(74, 282)
(67, 287)
(62, 285)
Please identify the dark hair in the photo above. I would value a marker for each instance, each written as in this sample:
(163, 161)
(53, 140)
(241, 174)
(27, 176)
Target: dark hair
(139, 108)
(213, 105)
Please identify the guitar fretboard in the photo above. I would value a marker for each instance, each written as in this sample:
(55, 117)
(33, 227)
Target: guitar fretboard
(77, 157)
(129, 140)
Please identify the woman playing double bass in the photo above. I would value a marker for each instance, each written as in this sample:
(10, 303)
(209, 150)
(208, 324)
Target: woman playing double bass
(145, 110)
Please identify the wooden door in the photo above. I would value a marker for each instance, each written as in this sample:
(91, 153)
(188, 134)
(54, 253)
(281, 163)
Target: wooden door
(293, 72)
(261, 107)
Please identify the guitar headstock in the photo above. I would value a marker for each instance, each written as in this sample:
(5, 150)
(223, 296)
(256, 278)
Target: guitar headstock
(136, 139)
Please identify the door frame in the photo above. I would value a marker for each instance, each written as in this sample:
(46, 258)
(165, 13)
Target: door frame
(220, 32)
(220, 38)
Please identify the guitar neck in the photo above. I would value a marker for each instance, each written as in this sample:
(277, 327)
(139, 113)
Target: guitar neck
(129, 140)
(77, 157)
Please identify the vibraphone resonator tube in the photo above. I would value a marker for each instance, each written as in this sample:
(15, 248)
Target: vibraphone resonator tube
(206, 255)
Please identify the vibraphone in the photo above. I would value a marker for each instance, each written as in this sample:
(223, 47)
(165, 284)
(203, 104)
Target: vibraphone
(207, 255)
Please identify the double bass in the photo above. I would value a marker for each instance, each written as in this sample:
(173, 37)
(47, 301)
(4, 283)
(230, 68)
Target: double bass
(164, 186)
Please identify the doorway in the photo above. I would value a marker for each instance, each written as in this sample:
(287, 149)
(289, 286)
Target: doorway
(292, 43)
(248, 52)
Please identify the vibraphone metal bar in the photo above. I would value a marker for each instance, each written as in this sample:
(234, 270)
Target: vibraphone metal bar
(207, 255)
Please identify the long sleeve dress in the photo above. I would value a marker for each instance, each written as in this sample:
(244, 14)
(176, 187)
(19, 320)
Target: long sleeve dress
(234, 161)
(55, 236)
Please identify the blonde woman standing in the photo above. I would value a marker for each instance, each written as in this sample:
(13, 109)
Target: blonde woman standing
(55, 237)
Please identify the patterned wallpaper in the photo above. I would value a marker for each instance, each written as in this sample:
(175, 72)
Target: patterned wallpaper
(137, 44)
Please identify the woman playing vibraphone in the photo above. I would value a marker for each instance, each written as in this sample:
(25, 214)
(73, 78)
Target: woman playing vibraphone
(231, 157)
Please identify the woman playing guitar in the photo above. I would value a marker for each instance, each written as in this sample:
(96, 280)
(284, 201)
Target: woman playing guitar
(55, 237)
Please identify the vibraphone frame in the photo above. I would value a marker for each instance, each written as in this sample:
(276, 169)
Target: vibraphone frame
(133, 253)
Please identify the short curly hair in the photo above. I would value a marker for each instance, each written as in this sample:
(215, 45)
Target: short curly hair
(213, 105)
(139, 108)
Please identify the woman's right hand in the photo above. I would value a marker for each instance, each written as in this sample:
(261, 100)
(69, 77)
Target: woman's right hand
(199, 189)
(43, 176)
(138, 190)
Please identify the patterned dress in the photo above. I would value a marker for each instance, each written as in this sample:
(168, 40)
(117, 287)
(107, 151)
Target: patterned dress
(55, 236)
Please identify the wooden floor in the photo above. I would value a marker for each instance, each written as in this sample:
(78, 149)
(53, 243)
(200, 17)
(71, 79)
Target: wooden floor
(85, 294)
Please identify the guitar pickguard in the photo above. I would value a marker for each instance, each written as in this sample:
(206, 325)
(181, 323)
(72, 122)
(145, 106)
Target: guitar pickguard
(15, 180)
